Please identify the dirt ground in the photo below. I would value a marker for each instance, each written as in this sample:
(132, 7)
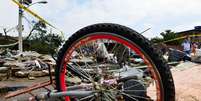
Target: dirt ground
(188, 82)
(187, 78)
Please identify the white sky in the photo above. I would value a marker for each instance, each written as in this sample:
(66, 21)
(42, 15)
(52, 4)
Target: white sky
(71, 15)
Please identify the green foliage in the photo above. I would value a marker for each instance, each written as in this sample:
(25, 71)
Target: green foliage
(44, 44)
(166, 36)
(38, 40)
(5, 41)
(157, 40)
(41, 41)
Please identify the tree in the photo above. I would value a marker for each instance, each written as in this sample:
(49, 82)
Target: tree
(41, 41)
(157, 40)
(166, 36)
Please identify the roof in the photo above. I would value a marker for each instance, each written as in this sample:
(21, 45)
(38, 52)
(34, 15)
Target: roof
(190, 31)
(197, 29)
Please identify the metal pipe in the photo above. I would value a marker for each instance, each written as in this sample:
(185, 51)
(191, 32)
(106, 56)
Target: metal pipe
(20, 46)
(46, 95)
(20, 27)
(79, 87)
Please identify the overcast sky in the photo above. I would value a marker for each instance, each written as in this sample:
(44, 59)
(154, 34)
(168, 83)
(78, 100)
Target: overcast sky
(71, 15)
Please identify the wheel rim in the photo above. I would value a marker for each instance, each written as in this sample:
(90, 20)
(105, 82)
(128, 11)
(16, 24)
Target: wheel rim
(100, 36)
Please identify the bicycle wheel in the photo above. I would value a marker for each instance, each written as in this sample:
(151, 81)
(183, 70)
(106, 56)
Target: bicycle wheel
(116, 63)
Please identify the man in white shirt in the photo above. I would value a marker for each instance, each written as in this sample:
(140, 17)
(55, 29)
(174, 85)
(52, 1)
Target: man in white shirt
(186, 47)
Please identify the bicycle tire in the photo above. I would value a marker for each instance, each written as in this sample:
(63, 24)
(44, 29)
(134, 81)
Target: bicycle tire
(128, 34)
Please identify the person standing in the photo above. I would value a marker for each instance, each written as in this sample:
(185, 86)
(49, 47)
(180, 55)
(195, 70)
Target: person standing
(187, 49)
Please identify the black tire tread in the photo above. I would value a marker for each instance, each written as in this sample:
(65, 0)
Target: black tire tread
(154, 54)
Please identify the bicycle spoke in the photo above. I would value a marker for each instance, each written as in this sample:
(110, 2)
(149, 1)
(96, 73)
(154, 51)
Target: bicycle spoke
(132, 86)
(101, 71)
(129, 96)
(136, 96)
(87, 97)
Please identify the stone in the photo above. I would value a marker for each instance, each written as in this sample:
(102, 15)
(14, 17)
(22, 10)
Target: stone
(4, 69)
(21, 74)
(31, 78)
(14, 64)
(28, 54)
(10, 59)
(14, 70)
(46, 57)
(198, 52)
(196, 59)
(45, 72)
(2, 62)
(37, 74)
(3, 76)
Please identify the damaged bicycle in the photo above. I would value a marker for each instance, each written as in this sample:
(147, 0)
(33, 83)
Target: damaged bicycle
(111, 62)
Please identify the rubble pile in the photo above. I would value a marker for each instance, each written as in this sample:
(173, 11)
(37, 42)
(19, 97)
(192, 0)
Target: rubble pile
(28, 64)
(177, 55)
(197, 58)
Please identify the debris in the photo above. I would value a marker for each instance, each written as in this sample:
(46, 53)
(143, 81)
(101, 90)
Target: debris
(4, 69)
(196, 59)
(198, 52)
(73, 80)
(4, 73)
(47, 58)
(82, 61)
(38, 74)
(31, 64)
(3, 76)
(2, 62)
(28, 54)
(31, 78)
(22, 74)
(14, 64)
(175, 55)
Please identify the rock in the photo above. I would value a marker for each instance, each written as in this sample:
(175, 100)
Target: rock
(196, 59)
(198, 52)
(2, 62)
(3, 76)
(45, 72)
(10, 59)
(4, 69)
(14, 70)
(13, 64)
(21, 74)
(37, 74)
(46, 57)
(28, 54)
(31, 78)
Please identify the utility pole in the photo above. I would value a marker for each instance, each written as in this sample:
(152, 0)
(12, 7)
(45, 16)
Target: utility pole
(20, 44)
(20, 26)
